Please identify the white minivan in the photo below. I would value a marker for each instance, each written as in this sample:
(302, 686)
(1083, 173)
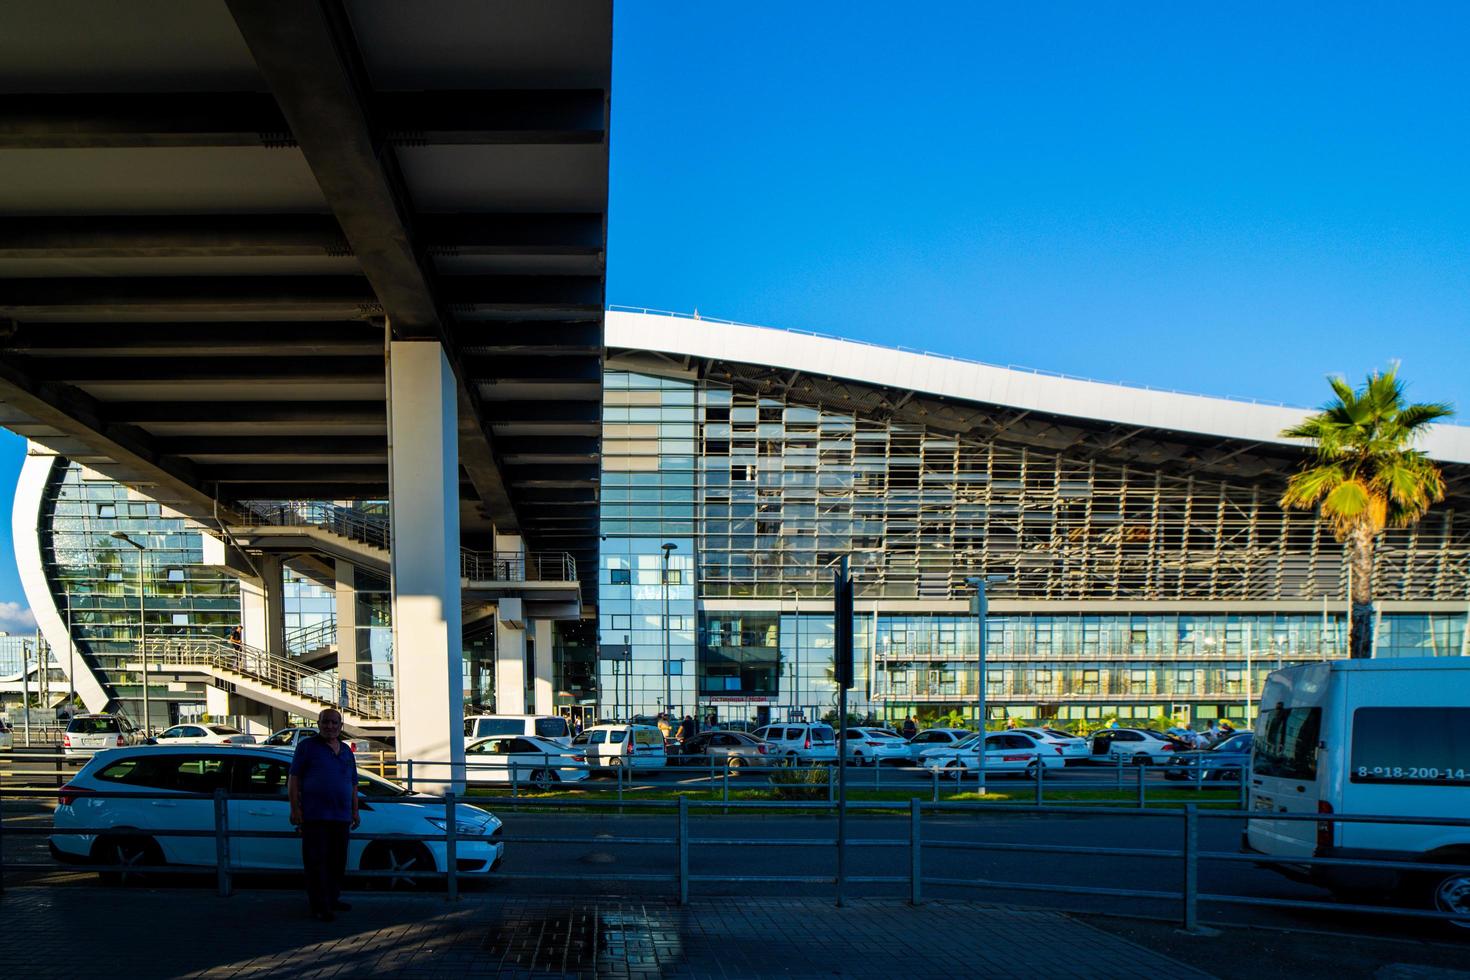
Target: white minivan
(1386, 737)
(553, 727)
(615, 746)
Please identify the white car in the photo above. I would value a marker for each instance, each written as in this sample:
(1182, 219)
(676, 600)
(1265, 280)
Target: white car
(291, 737)
(541, 762)
(875, 746)
(1071, 748)
(935, 738)
(615, 746)
(1132, 746)
(161, 773)
(202, 734)
(1005, 752)
(799, 742)
(88, 734)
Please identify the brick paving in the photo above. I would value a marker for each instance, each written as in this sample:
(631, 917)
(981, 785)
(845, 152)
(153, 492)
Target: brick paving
(142, 932)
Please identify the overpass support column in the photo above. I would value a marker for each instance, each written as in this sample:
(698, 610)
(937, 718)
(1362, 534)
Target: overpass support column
(346, 589)
(510, 658)
(543, 688)
(424, 502)
(262, 607)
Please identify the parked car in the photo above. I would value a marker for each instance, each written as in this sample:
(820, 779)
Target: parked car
(1227, 761)
(7, 739)
(541, 726)
(800, 742)
(1366, 737)
(875, 746)
(1135, 746)
(1071, 748)
(729, 750)
(968, 740)
(137, 831)
(935, 738)
(1005, 752)
(632, 746)
(201, 734)
(88, 734)
(291, 737)
(540, 762)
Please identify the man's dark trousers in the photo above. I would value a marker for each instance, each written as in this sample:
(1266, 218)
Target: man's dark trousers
(324, 855)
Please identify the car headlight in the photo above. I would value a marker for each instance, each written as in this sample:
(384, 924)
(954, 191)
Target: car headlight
(462, 827)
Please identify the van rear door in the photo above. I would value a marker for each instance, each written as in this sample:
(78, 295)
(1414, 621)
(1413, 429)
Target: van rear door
(1284, 780)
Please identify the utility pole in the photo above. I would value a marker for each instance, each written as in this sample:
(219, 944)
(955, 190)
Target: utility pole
(142, 624)
(667, 546)
(980, 608)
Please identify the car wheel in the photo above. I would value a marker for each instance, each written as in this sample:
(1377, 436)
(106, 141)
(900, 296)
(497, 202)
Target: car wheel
(544, 778)
(399, 856)
(1141, 759)
(954, 769)
(858, 760)
(1033, 767)
(734, 762)
(127, 851)
(615, 762)
(1451, 893)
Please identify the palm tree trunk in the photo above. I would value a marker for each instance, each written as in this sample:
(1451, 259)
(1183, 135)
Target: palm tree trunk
(1360, 560)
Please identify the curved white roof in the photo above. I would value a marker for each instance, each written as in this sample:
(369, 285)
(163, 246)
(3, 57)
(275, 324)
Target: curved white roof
(969, 381)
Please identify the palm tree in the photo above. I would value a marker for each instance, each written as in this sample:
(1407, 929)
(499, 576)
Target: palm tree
(1365, 477)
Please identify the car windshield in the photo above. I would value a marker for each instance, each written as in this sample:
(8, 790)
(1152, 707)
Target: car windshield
(1240, 743)
(224, 730)
(93, 726)
(376, 787)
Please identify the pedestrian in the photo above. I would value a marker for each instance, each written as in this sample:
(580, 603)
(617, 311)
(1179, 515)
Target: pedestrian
(323, 792)
(711, 721)
(1012, 722)
(663, 725)
(236, 639)
(910, 728)
(687, 729)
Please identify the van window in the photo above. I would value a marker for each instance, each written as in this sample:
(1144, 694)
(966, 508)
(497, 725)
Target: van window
(617, 736)
(94, 726)
(1287, 745)
(552, 727)
(647, 736)
(597, 737)
(821, 733)
(499, 726)
(1421, 746)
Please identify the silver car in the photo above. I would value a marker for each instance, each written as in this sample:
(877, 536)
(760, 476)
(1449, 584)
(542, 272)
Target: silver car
(86, 735)
(729, 750)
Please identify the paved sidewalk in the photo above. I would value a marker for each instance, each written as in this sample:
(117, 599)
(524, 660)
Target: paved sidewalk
(138, 932)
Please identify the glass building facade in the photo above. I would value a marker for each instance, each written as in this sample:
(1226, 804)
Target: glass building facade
(761, 494)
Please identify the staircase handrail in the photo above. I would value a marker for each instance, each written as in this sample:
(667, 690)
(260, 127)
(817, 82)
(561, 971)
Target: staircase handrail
(321, 686)
(368, 529)
(312, 636)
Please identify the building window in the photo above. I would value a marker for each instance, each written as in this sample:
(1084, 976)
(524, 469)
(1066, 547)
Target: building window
(621, 576)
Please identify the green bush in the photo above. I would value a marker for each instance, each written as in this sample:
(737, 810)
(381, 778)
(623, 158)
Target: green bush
(801, 784)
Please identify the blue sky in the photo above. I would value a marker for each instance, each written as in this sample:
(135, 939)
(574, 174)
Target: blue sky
(1229, 199)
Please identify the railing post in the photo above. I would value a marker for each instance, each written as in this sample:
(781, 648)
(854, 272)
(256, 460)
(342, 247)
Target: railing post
(618, 772)
(1191, 867)
(2, 846)
(1242, 773)
(934, 778)
(683, 841)
(831, 787)
(409, 781)
(1142, 800)
(1040, 777)
(451, 850)
(1118, 769)
(515, 781)
(222, 842)
(916, 863)
(725, 791)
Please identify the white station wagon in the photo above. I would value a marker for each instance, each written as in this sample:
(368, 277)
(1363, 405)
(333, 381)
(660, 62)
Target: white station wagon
(137, 832)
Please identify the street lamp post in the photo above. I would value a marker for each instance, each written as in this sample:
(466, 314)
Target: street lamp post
(667, 546)
(796, 657)
(142, 624)
(979, 606)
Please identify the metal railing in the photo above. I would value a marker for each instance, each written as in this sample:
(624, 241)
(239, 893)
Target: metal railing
(323, 687)
(369, 529)
(512, 566)
(313, 636)
(1189, 855)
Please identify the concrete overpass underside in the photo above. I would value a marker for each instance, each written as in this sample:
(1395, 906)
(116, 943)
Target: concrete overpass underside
(275, 249)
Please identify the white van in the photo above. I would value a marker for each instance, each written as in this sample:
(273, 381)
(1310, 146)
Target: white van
(1373, 737)
(633, 746)
(553, 727)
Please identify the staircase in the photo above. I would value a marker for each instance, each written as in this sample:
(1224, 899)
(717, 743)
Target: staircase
(277, 681)
(314, 645)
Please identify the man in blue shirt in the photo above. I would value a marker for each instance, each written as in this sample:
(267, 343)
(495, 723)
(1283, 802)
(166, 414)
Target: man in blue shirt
(323, 791)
